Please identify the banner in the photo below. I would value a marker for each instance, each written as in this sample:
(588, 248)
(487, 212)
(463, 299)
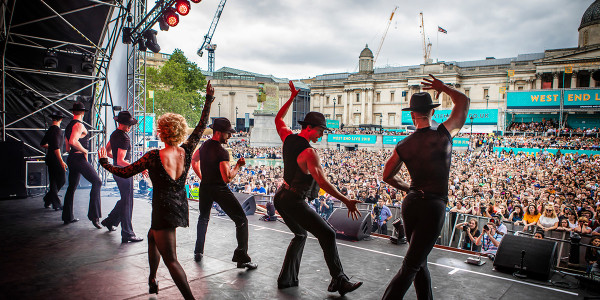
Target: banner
(535, 151)
(534, 99)
(480, 116)
(393, 139)
(149, 125)
(460, 142)
(351, 139)
(333, 124)
(582, 98)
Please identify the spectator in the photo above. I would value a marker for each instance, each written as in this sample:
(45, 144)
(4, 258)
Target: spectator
(530, 217)
(548, 220)
(564, 226)
(489, 240)
(259, 189)
(516, 215)
(381, 214)
(471, 233)
(582, 226)
(539, 235)
(591, 257)
(325, 206)
(500, 227)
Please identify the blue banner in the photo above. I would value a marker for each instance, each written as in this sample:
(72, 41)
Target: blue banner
(393, 139)
(149, 125)
(333, 124)
(582, 98)
(533, 99)
(535, 151)
(460, 142)
(480, 116)
(351, 139)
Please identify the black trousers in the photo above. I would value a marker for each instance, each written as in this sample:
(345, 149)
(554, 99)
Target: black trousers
(79, 166)
(300, 218)
(57, 180)
(232, 207)
(423, 217)
(123, 210)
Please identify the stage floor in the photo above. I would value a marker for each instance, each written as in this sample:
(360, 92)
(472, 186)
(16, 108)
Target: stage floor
(43, 259)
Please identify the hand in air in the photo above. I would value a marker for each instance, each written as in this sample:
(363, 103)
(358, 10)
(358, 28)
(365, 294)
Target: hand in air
(210, 91)
(102, 153)
(293, 89)
(352, 210)
(241, 162)
(434, 84)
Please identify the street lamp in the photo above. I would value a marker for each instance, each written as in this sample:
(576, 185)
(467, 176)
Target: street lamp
(219, 109)
(487, 100)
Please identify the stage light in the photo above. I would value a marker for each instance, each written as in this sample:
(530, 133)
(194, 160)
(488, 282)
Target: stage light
(151, 42)
(196, 1)
(87, 65)
(162, 24)
(127, 35)
(183, 7)
(50, 60)
(142, 45)
(171, 17)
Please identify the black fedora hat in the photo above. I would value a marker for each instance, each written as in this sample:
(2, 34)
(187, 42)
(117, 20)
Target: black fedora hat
(314, 118)
(57, 115)
(124, 117)
(222, 124)
(78, 106)
(421, 102)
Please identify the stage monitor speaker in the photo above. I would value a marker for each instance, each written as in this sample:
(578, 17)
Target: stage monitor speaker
(12, 177)
(346, 228)
(247, 201)
(538, 260)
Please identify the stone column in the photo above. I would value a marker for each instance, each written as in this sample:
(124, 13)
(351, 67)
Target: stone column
(574, 79)
(321, 100)
(538, 81)
(555, 80)
(363, 99)
(344, 109)
(370, 120)
(350, 107)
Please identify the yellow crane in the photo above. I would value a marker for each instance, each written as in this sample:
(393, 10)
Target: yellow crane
(384, 34)
(426, 43)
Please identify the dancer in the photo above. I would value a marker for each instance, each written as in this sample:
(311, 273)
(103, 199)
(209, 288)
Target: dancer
(211, 164)
(302, 167)
(119, 149)
(77, 144)
(168, 170)
(426, 153)
(53, 142)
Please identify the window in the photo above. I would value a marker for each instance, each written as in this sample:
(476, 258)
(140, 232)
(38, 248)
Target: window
(467, 92)
(520, 88)
(339, 99)
(378, 99)
(391, 119)
(392, 93)
(327, 116)
(378, 118)
(166, 56)
(357, 97)
(585, 38)
(485, 93)
(326, 100)
(356, 118)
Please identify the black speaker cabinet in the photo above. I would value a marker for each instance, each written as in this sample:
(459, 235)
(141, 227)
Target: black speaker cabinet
(12, 176)
(346, 228)
(539, 256)
(247, 201)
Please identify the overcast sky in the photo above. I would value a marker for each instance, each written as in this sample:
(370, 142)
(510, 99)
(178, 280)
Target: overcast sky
(302, 39)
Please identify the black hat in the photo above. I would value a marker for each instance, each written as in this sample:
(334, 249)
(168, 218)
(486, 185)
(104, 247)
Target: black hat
(421, 102)
(222, 124)
(78, 106)
(124, 117)
(314, 118)
(57, 115)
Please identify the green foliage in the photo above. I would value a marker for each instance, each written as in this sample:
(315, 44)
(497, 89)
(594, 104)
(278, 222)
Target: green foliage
(177, 86)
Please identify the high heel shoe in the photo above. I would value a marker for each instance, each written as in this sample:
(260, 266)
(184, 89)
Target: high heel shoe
(153, 287)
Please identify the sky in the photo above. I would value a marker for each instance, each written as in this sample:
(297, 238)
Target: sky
(302, 39)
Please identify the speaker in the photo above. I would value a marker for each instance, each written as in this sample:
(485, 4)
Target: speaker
(247, 201)
(538, 259)
(12, 177)
(36, 175)
(346, 228)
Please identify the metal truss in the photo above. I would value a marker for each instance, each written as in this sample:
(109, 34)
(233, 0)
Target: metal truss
(102, 54)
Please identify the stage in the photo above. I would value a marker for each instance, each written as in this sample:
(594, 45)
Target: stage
(44, 259)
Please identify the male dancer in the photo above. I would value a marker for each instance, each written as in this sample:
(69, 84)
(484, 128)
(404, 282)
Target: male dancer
(211, 164)
(53, 141)
(119, 149)
(77, 144)
(302, 167)
(426, 153)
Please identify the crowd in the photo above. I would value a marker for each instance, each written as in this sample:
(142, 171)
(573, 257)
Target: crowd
(550, 127)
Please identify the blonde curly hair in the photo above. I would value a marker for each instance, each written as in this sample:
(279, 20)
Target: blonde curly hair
(172, 128)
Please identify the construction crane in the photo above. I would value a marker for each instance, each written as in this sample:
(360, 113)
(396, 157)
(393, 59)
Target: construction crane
(426, 43)
(208, 37)
(384, 34)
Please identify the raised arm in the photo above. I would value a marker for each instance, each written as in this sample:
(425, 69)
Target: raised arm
(196, 163)
(459, 113)
(282, 129)
(194, 138)
(314, 167)
(390, 172)
(125, 172)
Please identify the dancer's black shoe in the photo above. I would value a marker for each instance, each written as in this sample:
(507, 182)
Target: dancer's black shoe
(248, 265)
(343, 285)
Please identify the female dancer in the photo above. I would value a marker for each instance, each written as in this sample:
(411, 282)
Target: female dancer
(52, 141)
(168, 170)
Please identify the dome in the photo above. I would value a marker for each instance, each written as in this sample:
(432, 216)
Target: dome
(367, 52)
(591, 16)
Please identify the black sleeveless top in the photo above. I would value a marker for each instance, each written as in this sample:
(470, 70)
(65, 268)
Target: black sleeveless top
(84, 141)
(53, 138)
(427, 154)
(292, 174)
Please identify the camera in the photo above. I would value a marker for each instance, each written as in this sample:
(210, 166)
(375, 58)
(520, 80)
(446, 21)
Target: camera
(465, 228)
(486, 227)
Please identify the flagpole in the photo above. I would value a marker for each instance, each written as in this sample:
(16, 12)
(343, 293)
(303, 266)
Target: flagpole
(437, 44)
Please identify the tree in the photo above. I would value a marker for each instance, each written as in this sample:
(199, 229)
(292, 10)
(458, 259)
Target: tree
(177, 86)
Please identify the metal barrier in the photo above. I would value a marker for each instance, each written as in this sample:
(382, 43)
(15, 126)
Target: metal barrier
(448, 234)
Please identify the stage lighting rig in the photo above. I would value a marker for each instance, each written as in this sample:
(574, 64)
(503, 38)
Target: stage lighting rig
(171, 17)
(50, 60)
(151, 42)
(182, 7)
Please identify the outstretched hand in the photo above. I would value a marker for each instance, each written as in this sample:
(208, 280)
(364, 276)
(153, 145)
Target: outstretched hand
(434, 84)
(210, 91)
(352, 210)
(102, 153)
(293, 89)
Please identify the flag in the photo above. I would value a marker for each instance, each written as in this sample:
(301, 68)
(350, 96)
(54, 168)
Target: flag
(442, 30)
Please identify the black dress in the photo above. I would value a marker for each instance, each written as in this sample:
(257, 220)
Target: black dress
(169, 201)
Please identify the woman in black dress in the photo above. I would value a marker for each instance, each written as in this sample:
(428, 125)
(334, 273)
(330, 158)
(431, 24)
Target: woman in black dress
(168, 170)
(53, 142)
